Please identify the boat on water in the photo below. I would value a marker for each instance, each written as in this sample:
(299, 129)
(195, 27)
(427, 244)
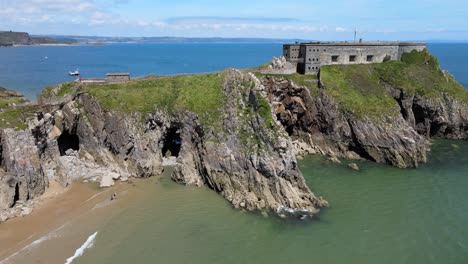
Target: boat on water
(74, 73)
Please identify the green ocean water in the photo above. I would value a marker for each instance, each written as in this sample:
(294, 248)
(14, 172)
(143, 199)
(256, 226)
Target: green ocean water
(378, 215)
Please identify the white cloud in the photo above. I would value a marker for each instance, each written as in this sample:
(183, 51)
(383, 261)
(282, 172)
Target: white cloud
(41, 11)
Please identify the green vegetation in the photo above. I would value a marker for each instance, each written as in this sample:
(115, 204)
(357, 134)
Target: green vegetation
(263, 66)
(248, 111)
(264, 110)
(419, 73)
(59, 90)
(201, 94)
(309, 81)
(22, 38)
(16, 117)
(360, 89)
(6, 102)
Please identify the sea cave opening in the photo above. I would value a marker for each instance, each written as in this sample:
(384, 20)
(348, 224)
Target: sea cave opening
(172, 143)
(68, 141)
(16, 197)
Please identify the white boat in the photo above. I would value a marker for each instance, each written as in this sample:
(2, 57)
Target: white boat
(74, 73)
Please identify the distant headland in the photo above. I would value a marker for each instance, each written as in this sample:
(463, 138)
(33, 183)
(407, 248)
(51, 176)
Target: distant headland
(11, 38)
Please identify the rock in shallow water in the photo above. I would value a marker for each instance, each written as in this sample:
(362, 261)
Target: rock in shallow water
(353, 166)
(106, 181)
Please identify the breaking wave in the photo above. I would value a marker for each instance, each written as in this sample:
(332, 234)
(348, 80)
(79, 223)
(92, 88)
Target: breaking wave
(79, 252)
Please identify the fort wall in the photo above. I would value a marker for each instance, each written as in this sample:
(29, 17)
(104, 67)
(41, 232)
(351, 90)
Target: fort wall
(309, 57)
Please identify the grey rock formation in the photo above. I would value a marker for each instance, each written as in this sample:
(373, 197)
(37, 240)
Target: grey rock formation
(229, 162)
(319, 126)
(248, 156)
(250, 163)
(353, 166)
(433, 117)
(21, 160)
(280, 66)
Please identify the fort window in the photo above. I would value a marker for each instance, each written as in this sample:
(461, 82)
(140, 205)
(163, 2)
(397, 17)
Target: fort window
(370, 57)
(334, 58)
(352, 58)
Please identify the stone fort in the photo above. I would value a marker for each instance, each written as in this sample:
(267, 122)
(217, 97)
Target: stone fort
(309, 57)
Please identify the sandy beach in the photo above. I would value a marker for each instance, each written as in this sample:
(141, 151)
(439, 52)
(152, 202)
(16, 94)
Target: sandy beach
(76, 208)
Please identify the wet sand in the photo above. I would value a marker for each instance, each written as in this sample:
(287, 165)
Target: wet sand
(75, 209)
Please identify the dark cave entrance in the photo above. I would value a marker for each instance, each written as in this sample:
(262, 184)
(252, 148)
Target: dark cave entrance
(172, 143)
(16, 197)
(67, 141)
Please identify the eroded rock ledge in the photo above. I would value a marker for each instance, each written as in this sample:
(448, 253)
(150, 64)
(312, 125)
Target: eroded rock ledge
(317, 125)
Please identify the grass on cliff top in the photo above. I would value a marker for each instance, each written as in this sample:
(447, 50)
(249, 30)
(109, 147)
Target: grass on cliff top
(59, 90)
(419, 73)
(201, 94)
(309, 81)
(16, 117)
(7, 102)
(360, 89)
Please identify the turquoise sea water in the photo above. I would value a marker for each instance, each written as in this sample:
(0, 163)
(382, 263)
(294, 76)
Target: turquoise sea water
(30, 69)
(378, 215)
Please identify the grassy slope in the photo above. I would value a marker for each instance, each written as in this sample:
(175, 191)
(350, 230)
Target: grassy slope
(16, 117)
(6, 102)
(12, 113)
(59, 90)
(360, 88)
(419, 73)
(201, 94)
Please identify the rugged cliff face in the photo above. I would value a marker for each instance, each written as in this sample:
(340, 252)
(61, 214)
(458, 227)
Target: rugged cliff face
(444, 117)
(235, 132)
(245, 155)
(384, 112)
(317, 125)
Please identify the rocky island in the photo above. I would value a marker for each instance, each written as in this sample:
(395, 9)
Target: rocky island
(237, 132)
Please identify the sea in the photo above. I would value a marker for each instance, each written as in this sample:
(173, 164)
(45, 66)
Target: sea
(380, 214)
(29, 69)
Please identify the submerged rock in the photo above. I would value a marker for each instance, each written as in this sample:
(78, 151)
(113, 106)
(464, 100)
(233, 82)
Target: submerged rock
(353, 166)
(334, 159)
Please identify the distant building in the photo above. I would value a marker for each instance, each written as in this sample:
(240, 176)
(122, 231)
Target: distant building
(309, 57)
(118, 77)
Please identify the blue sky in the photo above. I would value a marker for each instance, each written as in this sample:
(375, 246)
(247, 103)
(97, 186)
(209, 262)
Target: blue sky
(307, 19)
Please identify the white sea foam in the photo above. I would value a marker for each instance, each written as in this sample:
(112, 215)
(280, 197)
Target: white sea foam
(79, 252)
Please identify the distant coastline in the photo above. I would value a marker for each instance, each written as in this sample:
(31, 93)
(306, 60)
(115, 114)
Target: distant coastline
(12, 39)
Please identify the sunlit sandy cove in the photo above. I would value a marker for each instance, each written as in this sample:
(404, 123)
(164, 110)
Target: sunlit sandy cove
(65, 219)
